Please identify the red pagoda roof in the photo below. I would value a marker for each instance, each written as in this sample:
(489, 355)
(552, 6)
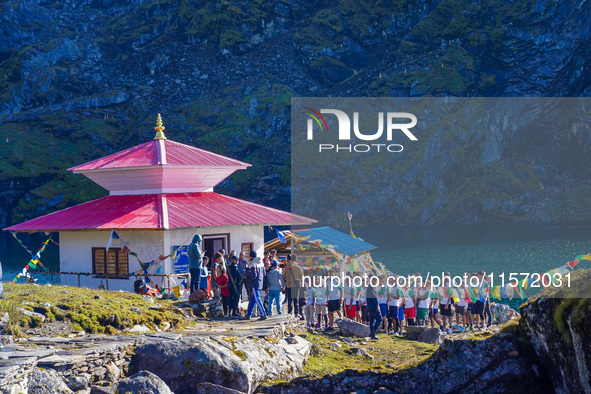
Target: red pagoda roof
(160, 152)
(160, 185)
(161, 211)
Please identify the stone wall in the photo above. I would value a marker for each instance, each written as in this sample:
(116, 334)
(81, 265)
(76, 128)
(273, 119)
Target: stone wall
(99, 360)
(80, 362)
(14, 378)
(102, 365)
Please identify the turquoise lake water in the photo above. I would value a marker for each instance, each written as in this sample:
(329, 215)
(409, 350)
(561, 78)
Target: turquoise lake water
(498, 248)
(14, 257)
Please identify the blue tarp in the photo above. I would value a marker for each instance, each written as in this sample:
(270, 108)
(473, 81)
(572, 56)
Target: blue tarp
(342, 242)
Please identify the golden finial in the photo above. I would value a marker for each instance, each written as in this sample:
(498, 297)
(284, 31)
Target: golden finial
(159, 129)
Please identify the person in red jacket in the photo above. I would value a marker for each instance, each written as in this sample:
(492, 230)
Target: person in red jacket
(222, 280)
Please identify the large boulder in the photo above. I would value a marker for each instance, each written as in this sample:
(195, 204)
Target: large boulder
(350, 327)
(413, 332)
(47, 381)
(31, 314)
(76, 383)
(143, 382)
(431, 335)
(238, 363)
(497, 364)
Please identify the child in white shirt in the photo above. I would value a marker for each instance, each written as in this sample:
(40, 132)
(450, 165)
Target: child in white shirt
(320, 307)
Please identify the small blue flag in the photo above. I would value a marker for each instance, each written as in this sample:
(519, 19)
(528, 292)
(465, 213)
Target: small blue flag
(280, 235)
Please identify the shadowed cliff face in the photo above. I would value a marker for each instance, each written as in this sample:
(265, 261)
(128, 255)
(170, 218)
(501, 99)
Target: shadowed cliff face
(475, 160)
(82, 79)
(558, 328)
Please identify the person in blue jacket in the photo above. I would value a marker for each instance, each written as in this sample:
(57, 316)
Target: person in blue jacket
(204, 275)
(195, 262)
(373, 309)
(257, 276)
(276, 284)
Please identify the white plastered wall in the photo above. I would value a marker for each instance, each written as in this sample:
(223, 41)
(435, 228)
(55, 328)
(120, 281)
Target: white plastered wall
(76, 249)
(76, 254)
(238, 235)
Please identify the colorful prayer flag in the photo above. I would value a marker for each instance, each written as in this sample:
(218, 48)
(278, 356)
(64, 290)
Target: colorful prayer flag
(573, 264)
(519, 291)
(280, 235)
(496, 293)
(177, 291)
(472, 294)
(110, 239)
(509, 291)
(455, 294)
(562, 270)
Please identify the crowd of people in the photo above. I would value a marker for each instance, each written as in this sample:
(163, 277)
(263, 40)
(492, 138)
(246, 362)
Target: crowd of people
(266, 282)
(389, 309)
(269, 283)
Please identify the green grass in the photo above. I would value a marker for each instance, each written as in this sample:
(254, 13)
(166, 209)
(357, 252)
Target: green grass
(79, 307)
(390, 355)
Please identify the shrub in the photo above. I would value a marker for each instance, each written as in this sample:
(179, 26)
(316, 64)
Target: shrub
(36, 321)
(110, 330)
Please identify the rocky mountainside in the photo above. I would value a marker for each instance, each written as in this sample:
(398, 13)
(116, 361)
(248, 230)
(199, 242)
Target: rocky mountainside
(557, 324)
(547, 352)
(494, 365)
(476, 160)
(80, 79)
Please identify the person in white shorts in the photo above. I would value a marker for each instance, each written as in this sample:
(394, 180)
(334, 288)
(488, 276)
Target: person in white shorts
(362, 315)
(309, 308)
(461, 307)
(320, 307)
(394, 305)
